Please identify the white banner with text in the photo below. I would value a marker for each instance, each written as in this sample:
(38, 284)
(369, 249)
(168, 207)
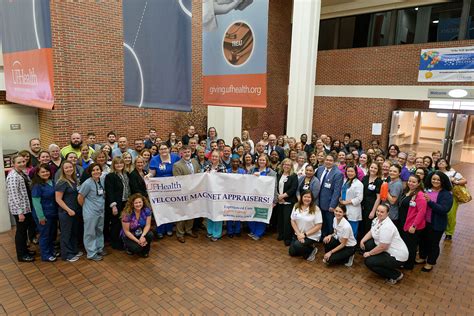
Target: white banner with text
(217, 196)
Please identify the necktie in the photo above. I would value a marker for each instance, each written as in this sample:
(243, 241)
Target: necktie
(325, 173)
(189, 164)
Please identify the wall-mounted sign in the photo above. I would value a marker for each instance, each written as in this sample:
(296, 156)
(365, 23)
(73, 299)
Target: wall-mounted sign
(454, 64)
(15, 127)
(445, 94)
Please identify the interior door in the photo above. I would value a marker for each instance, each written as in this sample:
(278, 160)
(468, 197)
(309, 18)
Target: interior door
(457, 141)
(395, 125)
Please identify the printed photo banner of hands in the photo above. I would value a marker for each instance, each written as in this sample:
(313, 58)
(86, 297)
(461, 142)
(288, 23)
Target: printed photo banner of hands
(235, 52)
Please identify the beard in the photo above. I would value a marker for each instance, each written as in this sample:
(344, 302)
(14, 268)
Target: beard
(76, 146)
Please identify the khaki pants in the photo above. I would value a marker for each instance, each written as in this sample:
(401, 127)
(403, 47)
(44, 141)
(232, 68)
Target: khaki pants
(184, 227)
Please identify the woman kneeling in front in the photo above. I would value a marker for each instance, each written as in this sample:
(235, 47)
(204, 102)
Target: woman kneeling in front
(136, 222)
(339, 247)
(384, 249)
(306, 220)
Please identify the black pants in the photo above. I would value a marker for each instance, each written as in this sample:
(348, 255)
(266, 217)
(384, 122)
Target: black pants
(32, 230)
(113, 226)
(298, 249)
(340, 257)
(135, 248)
(429, 244)
(366, 223)
(411, 240)
(69, 231)
(383, 263)
(21, 235)
(285, 231)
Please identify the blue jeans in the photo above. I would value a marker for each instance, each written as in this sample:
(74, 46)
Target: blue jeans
(47, 235)
(233, 227)
(214, 228)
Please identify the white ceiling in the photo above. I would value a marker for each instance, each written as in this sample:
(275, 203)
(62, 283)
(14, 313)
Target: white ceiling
(338, 8)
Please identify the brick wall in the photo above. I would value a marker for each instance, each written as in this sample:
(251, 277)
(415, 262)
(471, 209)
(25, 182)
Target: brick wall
(88, 67)
(389, 65)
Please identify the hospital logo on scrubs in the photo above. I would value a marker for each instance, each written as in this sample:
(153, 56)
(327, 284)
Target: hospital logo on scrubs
(260, 212)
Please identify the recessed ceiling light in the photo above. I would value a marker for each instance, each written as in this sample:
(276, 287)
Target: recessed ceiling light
(416, 9)
(435, 21)
(457, 93)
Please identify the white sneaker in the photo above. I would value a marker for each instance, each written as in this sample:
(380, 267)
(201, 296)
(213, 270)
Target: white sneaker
(350, 261)
(79, 254)
(312, 255)
(73, 259)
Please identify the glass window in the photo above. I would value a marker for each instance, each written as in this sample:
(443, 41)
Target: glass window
(444, 24)
(327, 34)
(406, 26)
(379, 29)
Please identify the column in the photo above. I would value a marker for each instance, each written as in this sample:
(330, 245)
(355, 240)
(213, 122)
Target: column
(5, 224)
(304, 46)
(227, 121)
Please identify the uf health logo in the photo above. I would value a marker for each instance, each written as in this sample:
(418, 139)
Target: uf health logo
(162, 187)
(20, 76)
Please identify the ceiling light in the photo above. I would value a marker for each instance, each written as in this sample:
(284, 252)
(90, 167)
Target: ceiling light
(457, 93)
(435, 21)
(416, 9)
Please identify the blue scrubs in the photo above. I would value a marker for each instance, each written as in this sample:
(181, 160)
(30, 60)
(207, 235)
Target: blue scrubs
(164, 170)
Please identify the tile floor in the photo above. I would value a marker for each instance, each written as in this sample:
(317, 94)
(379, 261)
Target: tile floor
(236, 276)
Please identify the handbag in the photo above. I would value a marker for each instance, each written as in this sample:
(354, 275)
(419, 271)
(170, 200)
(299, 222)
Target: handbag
(461, 193)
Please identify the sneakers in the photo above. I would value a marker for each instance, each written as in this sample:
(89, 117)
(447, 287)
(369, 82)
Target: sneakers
(51, 259)
(312, 255)
(26, 258)
(73, 259)
(250, 235)
(159, 236)
(350, 261)
(395, 281)
(103, 253)
(79, 254)
(169, 234)
(255, 237)
(96, 257)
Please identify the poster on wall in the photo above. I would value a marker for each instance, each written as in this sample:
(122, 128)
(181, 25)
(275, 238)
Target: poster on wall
(234, 52)
(454, 64)
(25, 28)
(157, 54)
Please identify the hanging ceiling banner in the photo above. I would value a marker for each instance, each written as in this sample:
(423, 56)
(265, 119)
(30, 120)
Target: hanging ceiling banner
(455, 64)
(157, 54)
(25, 28)
(234, 52)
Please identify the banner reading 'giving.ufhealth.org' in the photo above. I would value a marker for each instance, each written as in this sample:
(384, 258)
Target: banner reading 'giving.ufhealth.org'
(25, 28)
(234, 52)
(217, 196)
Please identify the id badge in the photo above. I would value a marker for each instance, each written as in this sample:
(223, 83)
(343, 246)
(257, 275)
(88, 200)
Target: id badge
(327, 185)
(305, 187)
(100, 191)
(412, 203)
(162, 167)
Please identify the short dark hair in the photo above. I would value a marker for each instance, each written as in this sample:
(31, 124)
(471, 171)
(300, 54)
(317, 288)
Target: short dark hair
(111, 133)
(151, 129)
(185, 147)
(90, 134)
(448, 166)
(347, 135)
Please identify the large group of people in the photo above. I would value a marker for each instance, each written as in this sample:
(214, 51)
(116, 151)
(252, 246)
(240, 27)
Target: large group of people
(391, 207)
